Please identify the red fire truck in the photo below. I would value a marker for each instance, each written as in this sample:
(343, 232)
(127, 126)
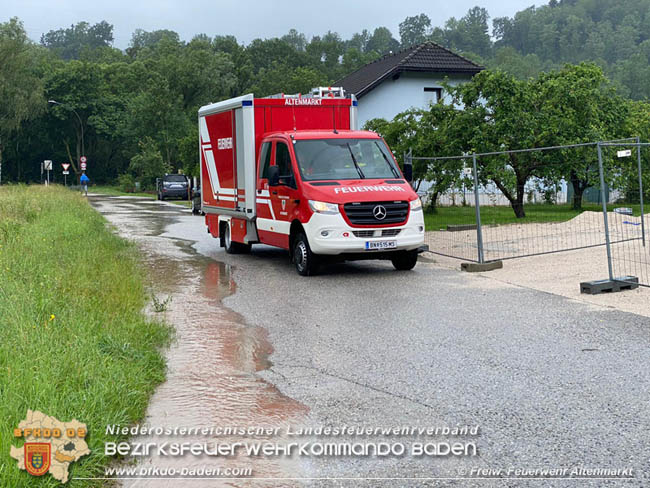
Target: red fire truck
(290, 171)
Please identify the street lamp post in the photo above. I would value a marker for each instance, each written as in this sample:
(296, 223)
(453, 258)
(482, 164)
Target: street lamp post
(83, 149)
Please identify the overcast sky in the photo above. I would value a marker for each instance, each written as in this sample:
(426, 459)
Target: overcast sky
(245, 19)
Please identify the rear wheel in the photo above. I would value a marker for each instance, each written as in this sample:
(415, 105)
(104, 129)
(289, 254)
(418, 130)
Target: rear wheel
(306, 262)
(405, 260)
(231, 246)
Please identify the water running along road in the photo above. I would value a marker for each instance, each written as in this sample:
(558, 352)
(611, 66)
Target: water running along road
(551, 382)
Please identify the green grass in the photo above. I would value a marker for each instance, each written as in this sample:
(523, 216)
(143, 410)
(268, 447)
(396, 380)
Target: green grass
(498, 215)
(98, 360)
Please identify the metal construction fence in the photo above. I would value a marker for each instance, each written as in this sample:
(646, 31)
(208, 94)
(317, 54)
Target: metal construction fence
(517, 203)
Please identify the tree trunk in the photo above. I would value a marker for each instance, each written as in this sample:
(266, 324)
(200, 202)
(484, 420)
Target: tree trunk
(518, 204)
(433, 201)
(578, 190)
(516, 201)
(74, 166)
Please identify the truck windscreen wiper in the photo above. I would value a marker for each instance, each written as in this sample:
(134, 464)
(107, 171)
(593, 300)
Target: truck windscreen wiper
(354, 160)
(393, 170)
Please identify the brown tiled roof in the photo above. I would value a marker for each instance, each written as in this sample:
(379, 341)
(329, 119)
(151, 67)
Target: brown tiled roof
(428, 58)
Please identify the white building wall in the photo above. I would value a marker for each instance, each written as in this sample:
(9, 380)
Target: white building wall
(394, 96)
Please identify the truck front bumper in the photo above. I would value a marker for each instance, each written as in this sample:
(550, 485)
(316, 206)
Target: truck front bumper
(331, 235)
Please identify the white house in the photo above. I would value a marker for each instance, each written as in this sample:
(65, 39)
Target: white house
(409, 78)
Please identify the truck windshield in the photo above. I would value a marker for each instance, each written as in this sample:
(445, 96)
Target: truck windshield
(344, 159)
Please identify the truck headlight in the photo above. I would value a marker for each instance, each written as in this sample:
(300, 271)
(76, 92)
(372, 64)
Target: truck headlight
(324, 207)
(416, 205)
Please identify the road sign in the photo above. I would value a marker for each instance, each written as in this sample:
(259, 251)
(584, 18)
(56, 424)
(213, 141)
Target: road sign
(83, 159)
(47, 165)
(624, 154)
(65, 166)
(83, 166)
(66, 172)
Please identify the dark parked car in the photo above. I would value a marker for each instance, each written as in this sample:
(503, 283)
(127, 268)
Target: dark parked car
(196, 202)
(173, 186)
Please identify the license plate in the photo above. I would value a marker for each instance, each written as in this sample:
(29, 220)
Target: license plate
(381, 245)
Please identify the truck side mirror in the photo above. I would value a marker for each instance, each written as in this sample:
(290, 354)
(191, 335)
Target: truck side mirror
(408, 172)
(273, 174)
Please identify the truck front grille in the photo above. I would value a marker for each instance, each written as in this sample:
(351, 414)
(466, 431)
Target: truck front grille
(376, 233)
(365, 213)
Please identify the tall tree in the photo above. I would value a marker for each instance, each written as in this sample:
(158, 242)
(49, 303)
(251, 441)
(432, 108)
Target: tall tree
(414, 30)
(501, 112)
(21, 91)
(425, 132)
(69, 43)
(382, 41)
(469, 34)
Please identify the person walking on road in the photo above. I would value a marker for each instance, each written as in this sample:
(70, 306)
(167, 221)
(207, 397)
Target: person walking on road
(84, 180)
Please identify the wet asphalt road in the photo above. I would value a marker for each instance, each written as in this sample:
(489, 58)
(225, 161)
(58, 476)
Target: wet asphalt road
(552, 383)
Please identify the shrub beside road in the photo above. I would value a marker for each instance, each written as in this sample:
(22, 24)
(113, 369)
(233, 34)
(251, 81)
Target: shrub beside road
(74, 340)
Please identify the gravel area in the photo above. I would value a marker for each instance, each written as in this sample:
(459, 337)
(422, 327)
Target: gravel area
(560, 273)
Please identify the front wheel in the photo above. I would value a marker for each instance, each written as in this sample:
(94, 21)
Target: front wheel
(405, 260)
(306, 262)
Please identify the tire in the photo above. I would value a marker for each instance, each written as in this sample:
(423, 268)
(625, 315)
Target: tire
(306, 262)
(405, 260)
(232, 247)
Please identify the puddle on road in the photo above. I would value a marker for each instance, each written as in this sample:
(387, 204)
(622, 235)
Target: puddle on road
(211, 380)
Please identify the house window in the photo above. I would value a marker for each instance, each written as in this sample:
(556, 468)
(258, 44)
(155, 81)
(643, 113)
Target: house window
(432, 95)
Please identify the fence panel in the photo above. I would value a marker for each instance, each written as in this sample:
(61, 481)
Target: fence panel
(493, 213)
(629, 250)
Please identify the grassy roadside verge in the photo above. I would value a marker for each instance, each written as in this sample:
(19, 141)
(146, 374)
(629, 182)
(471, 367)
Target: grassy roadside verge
(499, 215)
(115, 191)
(74, 342)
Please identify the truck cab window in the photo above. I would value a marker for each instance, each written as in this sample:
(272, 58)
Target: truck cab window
(283, 161)
(265, 160)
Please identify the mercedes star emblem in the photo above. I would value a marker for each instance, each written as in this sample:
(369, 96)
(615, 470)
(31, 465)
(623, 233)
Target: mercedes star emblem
(379, 212)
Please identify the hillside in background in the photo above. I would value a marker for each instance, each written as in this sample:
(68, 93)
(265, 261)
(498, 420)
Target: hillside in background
(615, 34)
(114, 105)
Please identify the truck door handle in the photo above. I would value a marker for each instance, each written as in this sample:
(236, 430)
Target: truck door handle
(296, 201)
(275, 192)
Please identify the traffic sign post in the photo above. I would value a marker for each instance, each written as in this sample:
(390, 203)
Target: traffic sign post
(47, 166)
(65, 167)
